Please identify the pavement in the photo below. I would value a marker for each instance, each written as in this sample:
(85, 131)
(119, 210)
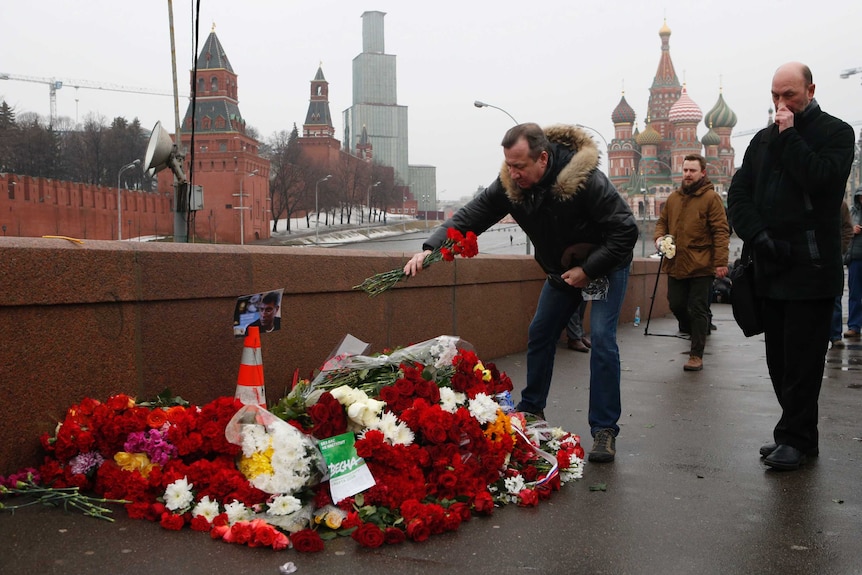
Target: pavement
(687, 493)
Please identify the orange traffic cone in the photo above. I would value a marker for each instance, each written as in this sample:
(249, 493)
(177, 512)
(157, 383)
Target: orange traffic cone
(249, 384)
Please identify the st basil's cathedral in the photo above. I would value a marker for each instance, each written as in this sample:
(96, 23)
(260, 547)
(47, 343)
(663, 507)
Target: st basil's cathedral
(647, 166)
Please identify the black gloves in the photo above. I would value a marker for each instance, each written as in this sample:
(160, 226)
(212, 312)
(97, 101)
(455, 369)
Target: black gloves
(777, 251)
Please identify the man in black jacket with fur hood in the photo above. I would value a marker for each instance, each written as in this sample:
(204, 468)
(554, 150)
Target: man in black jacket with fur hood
(551, 185)
(784, 203)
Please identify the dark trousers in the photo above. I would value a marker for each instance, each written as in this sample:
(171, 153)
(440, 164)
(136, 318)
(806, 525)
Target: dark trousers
(689, 301)
(797, 337)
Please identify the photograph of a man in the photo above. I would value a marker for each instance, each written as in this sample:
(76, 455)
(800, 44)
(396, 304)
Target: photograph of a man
(261, 310)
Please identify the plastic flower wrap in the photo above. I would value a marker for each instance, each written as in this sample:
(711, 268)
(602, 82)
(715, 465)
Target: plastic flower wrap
(666, 246)
(370, 373)
(276, 457)
(455, 243)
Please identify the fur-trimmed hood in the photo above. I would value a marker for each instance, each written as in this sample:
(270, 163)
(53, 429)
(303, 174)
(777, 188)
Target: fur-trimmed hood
(570, 177)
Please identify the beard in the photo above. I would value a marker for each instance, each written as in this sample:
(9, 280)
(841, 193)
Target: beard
(691, 186)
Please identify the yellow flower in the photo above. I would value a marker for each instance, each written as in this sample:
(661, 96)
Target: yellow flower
(257, 464)
(133, 462)
(331, 515)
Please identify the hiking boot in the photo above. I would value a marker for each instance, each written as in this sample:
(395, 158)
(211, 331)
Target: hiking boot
(694, 363)
(604, 446)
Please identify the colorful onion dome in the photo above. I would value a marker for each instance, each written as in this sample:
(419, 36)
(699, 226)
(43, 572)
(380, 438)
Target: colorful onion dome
(684, 110)
(648, 137)
(710, 138)
(623, 113)
(721, 116)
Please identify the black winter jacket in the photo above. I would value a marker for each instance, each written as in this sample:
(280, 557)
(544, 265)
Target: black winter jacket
(573, 203)
(855, 249)
(791, 185)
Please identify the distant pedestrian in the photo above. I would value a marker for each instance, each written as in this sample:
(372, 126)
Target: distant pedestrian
(838, 309)
(854, 272)
(694, 215)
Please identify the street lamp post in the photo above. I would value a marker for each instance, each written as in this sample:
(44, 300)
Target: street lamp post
(317, 210)
(120, 198)
(480, 104)
(374, 185)
(643, 224)
(242, 208)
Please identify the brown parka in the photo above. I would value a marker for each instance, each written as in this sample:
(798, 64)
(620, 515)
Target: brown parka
(698, 223)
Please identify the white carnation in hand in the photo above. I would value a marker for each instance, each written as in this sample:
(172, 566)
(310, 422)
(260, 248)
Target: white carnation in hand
(667, 247)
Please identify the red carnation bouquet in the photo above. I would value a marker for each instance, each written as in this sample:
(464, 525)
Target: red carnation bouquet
(456, 243)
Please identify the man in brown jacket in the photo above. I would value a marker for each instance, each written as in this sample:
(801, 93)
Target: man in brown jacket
(694, 215)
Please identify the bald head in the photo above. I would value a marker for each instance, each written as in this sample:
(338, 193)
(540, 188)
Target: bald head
(792, 87)
(797, 69)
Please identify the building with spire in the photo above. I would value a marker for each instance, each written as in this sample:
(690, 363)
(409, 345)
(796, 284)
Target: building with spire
(223, 159)
(647, 166)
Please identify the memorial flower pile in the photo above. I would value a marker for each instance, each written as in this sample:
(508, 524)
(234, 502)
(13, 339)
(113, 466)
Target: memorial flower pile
(431, 427)
(456, 243)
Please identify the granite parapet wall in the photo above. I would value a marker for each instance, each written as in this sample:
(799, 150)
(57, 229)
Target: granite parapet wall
(107, 317)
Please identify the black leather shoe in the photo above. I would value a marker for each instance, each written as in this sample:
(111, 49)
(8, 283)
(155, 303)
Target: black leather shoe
(765, 450)
(785, 458)
(578, 345)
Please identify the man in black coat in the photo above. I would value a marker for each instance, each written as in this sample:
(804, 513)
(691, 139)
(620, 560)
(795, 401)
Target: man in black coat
(582, 230)
(784, 203)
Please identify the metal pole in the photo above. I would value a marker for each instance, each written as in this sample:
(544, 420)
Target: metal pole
(654, 290)
(120, 198)
(241, 215)
(317, 210)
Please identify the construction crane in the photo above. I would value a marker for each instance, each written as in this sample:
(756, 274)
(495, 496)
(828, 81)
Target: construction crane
(55, 84)
(849, 72)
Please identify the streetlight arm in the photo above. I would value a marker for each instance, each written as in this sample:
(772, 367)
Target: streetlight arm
(480, 104)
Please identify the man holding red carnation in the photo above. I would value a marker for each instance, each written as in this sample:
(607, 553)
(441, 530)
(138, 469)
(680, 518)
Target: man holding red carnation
(551, 185)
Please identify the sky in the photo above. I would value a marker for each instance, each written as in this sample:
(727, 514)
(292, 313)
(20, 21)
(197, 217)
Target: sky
(556, 61)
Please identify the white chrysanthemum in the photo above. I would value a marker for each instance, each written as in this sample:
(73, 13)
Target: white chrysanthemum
(237, 511)
(178, 495)
(574, 471)
(514, 484)
(394, 431)
(451, 399)
(483, 408)
(254, 438)
(206, 507)
(284, 505)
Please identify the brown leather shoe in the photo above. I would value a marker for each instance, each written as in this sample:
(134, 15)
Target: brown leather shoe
(578, 345)
(851, 333)
(694, 363)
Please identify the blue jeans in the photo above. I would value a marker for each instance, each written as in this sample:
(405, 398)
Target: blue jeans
(553, 311)
(854, 300)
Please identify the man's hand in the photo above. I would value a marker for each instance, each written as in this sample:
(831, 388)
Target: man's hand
(767, 248)
(721, 272)
(576, 277)
(414, 266)
(857, 229)
(784, 118)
